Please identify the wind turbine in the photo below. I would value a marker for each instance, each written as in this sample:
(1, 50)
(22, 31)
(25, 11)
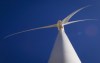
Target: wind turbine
(63, 51)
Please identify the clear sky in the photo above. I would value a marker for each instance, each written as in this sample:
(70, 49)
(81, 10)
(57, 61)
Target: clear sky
(36, 46)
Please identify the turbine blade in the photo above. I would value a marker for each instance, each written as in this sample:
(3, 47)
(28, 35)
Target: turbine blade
(50, 26)
(65, 20)
(77, 21)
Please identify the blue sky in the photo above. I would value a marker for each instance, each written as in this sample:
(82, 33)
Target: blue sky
(36, 46)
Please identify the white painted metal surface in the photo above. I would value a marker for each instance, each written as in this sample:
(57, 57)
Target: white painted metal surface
(63, 51)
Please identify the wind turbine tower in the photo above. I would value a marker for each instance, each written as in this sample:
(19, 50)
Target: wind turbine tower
(63, 51)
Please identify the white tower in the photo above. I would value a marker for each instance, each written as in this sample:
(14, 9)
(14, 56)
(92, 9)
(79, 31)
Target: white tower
(63, 51)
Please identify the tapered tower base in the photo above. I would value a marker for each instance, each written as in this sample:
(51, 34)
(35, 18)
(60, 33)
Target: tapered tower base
(63, 51)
